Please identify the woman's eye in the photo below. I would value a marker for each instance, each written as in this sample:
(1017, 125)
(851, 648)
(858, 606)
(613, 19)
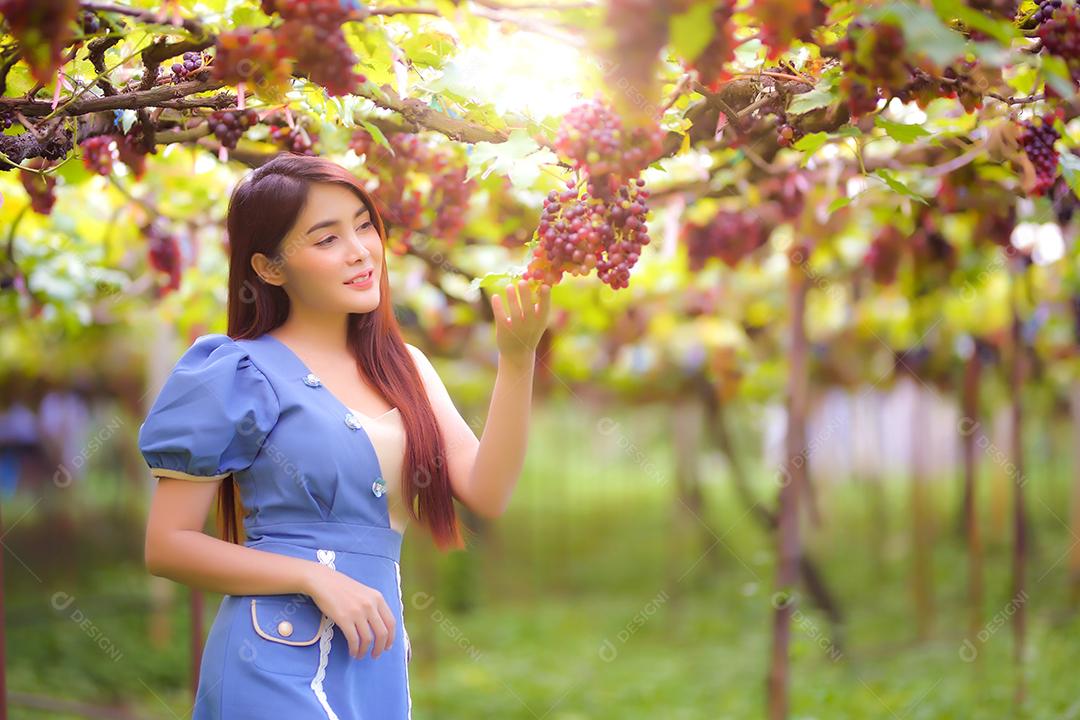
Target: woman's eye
(365, 225)
(325, 240)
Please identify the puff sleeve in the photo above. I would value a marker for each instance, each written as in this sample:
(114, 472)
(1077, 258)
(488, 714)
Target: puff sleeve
(212, 414)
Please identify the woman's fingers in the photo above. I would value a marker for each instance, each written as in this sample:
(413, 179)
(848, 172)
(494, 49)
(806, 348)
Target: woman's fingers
(513, 302)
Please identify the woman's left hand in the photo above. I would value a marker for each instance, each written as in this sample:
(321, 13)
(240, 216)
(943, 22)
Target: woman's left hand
(518, 328)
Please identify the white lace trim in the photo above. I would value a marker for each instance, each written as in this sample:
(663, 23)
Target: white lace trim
(326, 557)
(408, 645)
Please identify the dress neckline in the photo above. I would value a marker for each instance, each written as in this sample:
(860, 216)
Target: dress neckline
(307, 371)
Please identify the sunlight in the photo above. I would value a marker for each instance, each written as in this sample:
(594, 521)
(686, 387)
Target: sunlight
(519, 72)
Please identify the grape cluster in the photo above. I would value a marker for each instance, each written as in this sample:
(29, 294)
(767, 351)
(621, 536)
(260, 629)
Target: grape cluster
(229, 125)
(730, 236)
(1060, 35)
(193, 63)
(99, 153)
(318, 12)
(42, 28)
(312, 32)
(599, 221)
(132, 150)
(1045, 10)
(422, 186)
(960, 82)
(784, 21)
(163, 253)
(89, 22)
(324, 54)
(7, 118)
(293, 139)
(592, 138)
(1038, 140)
(787, 135)
(883, 255)
(40, 188)
(252, 56)
(578, 232)
(873, 61)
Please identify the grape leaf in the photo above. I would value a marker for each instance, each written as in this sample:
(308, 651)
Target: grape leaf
(898, 187)
(692, 30)
(824, 94)
(901, 132)
(519, 158)
(1070, 169)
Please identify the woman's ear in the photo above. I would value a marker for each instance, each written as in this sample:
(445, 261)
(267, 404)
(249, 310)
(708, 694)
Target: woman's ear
(268, 271)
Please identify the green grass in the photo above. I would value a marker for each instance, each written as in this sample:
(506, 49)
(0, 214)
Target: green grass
(590, 600)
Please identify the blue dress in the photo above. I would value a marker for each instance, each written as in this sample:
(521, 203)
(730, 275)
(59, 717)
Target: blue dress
(310, 481)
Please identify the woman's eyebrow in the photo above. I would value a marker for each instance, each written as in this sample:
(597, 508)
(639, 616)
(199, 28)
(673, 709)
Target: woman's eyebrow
(328, 223)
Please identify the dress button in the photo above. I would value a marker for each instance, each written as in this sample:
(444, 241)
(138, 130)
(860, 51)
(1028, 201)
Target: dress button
(312, 380)
(353, 422)
(284, 628)
(378, 487)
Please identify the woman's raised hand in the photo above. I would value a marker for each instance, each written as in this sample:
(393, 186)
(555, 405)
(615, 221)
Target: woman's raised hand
(520, 321)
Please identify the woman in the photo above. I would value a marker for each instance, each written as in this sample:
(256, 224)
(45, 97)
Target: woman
(322, 434)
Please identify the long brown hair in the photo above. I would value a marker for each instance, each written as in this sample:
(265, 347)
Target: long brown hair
(262, 208)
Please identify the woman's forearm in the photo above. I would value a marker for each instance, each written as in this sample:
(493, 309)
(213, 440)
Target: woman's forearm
(501, 454)
(196, 559)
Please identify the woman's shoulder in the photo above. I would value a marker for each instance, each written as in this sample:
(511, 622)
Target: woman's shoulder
(212, 411)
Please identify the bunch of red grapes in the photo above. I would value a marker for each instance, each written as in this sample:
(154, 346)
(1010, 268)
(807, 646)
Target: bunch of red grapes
(873, 60)
(578, 233)
(1059, 31)
(310, 40)
(293, 139)
(924, 87)
(592, 138)
(599, 221)
(883, 256)
(437, 206)
(252, 56)
(229, 125)
(132, 150)
(42, 28)
(784, 21)
(40, 187)
(163, 253)
(99, 153)
(192, 64)
(731, 235)
(1037, 139)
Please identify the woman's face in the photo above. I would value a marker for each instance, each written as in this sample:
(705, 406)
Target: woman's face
(333, 240)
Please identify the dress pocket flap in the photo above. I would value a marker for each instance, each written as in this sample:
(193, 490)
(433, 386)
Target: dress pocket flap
(287, 620)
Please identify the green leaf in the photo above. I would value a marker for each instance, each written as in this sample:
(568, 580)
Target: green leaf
(810, 144)
(838, 203)
(825, 93)
(1057, 74)
(377, 135)
(1070, 169)
(898, 187)
(519, 158)
(494, 281)
(1004, 31)
(692, 30)
(901, 132)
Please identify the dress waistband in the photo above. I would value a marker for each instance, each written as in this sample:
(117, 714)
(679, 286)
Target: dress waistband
(337, 536)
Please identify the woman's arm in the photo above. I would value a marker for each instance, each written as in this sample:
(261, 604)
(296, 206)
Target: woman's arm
(484, 472)
(178, 549)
